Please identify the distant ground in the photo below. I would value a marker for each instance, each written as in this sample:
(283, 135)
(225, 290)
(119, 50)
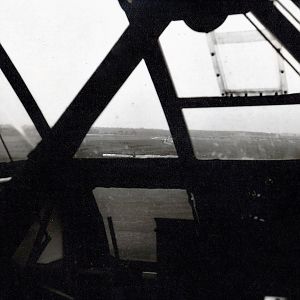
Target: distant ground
(207, 144)
(245, 145)
(110, 142)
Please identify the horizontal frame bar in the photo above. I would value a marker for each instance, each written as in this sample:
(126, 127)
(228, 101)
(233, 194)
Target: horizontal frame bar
(203, 102)
(165, 173)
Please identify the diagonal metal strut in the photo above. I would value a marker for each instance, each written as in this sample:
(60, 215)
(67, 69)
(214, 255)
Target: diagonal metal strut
(22, 91)
(69, 131)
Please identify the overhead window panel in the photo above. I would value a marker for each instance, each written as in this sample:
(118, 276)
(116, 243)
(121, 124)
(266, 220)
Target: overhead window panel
(133, 125)
(245, 133)
(245, 61)
(233, 60)
(250, 67)
(16, 128)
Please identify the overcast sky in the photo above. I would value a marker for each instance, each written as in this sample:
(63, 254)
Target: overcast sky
(57, 44)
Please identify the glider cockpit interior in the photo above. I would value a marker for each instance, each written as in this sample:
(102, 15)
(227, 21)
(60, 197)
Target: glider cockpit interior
(150, 149)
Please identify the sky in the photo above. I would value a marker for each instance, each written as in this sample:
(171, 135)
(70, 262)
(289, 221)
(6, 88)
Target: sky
(57, 44)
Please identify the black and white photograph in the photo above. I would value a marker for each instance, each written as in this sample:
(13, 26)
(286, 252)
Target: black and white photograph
(150, 149)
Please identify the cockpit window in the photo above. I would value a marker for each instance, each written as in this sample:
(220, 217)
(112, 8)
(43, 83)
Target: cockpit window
(60, 54)
(245, 133)
(133, 125)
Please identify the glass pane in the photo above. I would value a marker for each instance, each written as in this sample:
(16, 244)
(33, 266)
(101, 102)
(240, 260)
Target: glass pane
(250, 66)
(56, 45)
(16, 128)
(189, 61)
(248, 63)
(133, 212)
(132, 125)
(270, 132)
